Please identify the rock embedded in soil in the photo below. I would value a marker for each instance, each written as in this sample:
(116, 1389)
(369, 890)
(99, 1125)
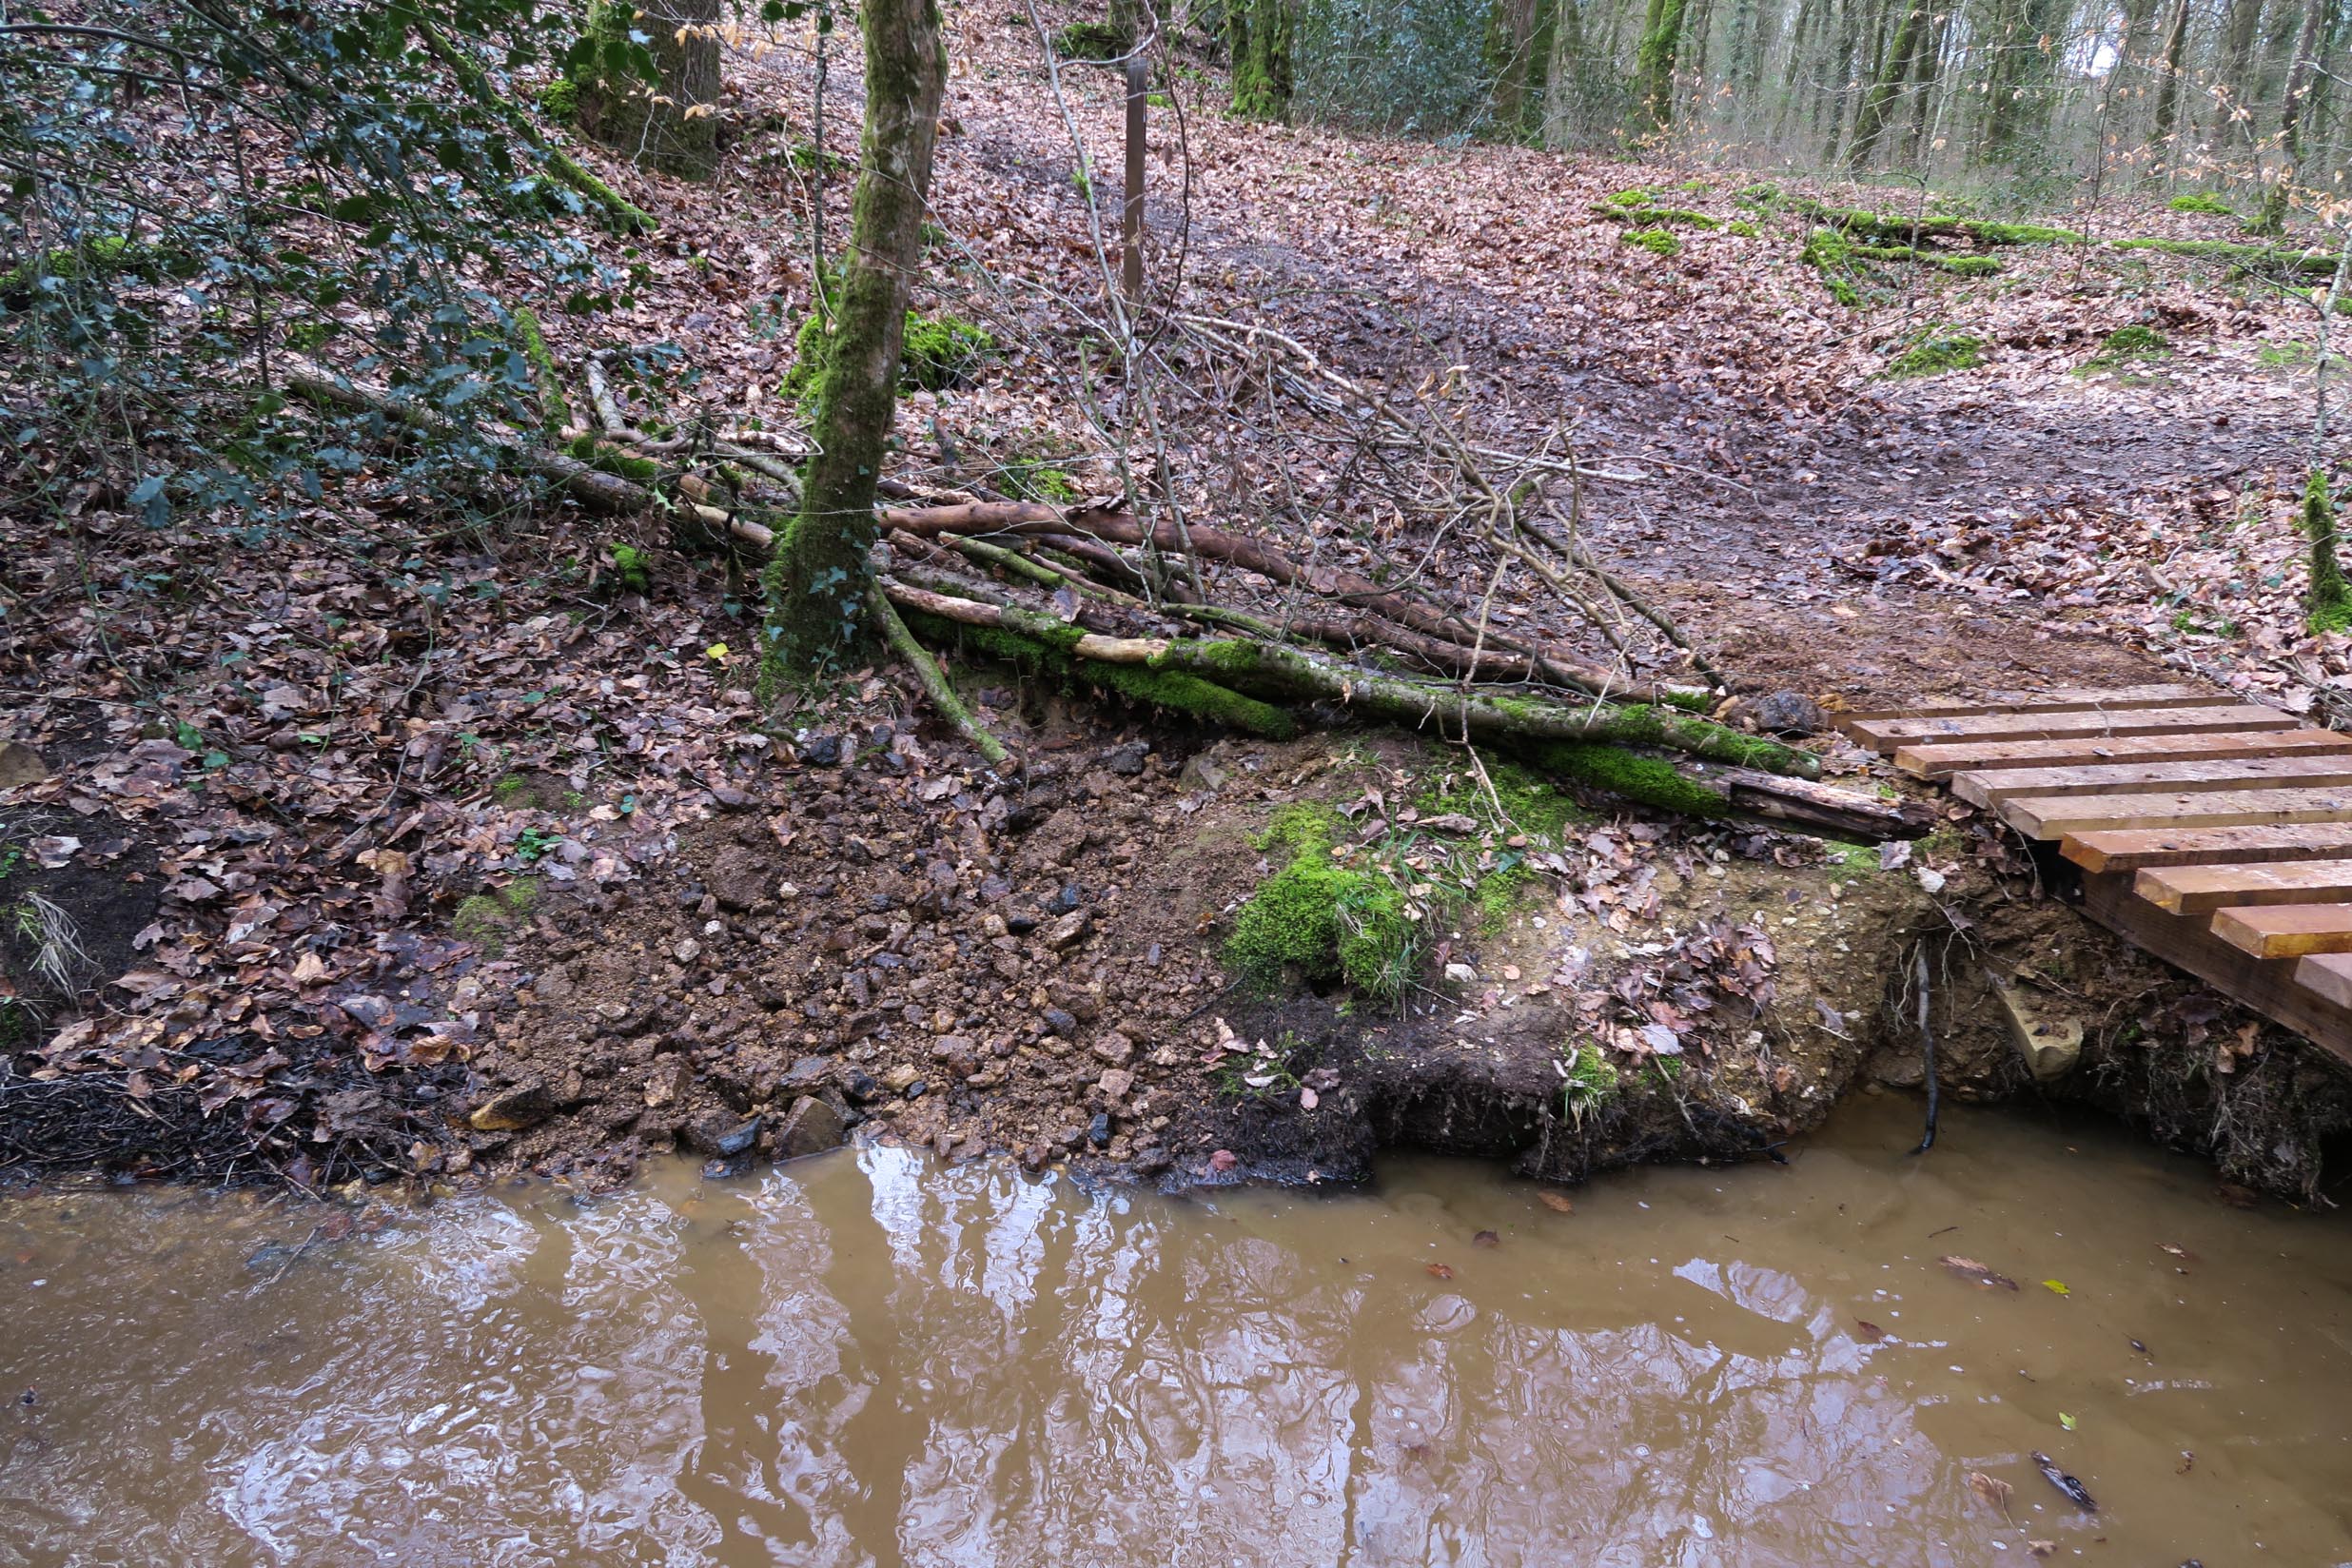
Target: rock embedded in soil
(741, 878)
(1790, 714)
(525, 1106)
(722, 1133)
(811, 1126)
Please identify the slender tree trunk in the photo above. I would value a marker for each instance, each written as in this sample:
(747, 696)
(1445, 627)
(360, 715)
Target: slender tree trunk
(2162, 125)
(671, 127)
(1654, 66)
(817, 579)
(2237, 76)
(1518, 59)
(2272, 219)
(1887, 90)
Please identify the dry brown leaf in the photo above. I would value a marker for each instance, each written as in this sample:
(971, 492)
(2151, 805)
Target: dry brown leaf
(1994, 1492)
(1557, 1202)
(1976, 1273)
(1440, 1271)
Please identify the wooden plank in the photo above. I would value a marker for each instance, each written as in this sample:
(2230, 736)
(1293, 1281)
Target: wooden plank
(2268, 985)
(2328, 975)
(2170, 695)
(2054, 817)
(1930, 760)
(2201, 890)
(2133, 848)
(1887, 734)
(2285, 931)
(1992, 786)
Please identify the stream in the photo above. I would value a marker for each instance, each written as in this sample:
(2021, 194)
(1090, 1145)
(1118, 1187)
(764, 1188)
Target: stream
(872, 1357)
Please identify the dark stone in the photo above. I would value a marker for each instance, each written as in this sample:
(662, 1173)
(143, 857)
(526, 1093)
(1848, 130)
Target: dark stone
(1021, 925)
(1153, 1159)
(1065, 900)
(1098, 1130)
(863, 1087)
(917, 1089)
(721, 1133)
(1060, 1023)
(518, 1108)
(808, 1072)
(820, 750)
(741, 878)
(720, 1171)
(995, 889)
(1790, 714)
(811, 1126)
(1071, 1137)
(1127, 760)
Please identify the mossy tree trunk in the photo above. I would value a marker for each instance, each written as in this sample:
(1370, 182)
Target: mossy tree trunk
(1654, 64)
(2272, 218)
(671, 125)
(1518, 56)
(818, 579)
(2328, 603)
(1887, 90)
(1260, 34)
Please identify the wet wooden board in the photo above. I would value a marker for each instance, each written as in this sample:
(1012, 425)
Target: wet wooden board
(2328, 976)
(2054, 817)
(2161, 695)
(2285, 931)
(2201, 890)
(1992, 786)
(2269, 986)
(1889, 734)
(1930, 760)
(2133, 848)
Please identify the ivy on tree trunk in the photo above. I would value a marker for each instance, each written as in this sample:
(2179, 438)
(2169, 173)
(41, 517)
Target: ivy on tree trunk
(817, 581)
(1260, 34)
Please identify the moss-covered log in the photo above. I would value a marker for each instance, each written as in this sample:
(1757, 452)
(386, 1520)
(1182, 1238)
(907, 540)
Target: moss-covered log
(1293, 674)
(555, 412)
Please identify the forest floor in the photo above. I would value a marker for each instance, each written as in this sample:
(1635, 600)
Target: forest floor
(363, 837)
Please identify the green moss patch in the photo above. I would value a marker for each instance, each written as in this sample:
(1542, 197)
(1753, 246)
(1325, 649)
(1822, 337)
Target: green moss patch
(1323, 920)
(487, 919)
(2203, 201)
(612, 459)
(1934, 353)
(936, 354)
(1092, 41)
(2125, 344)
(1174, 690)
(1658, 241)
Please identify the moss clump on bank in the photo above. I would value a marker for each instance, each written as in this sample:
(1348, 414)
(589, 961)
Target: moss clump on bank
(555, 412)
(1092, 41)
(559, 100)
(1657, 216)
(1830, 253)
(486, 919)
(2127, 343)
(1932, 354)
(1326, 921)
(2202, 201)
(1658, 241)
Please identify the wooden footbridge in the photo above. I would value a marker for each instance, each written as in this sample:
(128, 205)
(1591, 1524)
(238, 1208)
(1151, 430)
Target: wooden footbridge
(2213, 832)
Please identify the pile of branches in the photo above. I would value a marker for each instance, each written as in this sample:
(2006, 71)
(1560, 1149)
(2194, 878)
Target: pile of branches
(1232, 626)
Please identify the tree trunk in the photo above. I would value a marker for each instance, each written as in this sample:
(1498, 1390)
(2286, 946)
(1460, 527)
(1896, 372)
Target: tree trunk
(1887, 90)
(2168, 90)
(672, 127)
(2272, 218)
(1654, 66)
(1518, 57)
(817, 582)
(1259, 32)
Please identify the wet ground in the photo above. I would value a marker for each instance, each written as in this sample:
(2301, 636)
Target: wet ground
(872, 1357)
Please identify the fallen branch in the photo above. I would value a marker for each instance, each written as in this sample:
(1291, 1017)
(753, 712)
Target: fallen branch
(936, 689)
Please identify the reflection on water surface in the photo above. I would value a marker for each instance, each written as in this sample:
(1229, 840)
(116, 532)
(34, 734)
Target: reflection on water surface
(872, 1358)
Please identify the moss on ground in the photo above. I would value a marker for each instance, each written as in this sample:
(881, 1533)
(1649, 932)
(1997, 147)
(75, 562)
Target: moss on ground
(608, 459)
(2203, 201)
(1326, 921)
(2128, 343)
(1933, 353)
(559, 100)
(1828, 252)
(1658, 241)
(1092, 41)
(487, 919)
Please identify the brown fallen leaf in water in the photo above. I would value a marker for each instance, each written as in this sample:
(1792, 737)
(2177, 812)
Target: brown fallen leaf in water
(1870, 1330)
(2236, 1196)
(1995, 1492)
(1223, 1161)
(1440, 1271)
(1485, 1238)
(1976, 1273)
(1558, 1203)
(2039, 1548)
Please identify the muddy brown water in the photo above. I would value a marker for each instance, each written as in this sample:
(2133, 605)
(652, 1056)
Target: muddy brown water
(873, 1359)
